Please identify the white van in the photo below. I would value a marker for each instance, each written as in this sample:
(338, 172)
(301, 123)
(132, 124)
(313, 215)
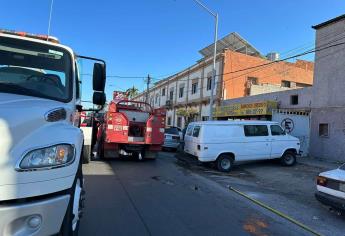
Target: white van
(228, 141)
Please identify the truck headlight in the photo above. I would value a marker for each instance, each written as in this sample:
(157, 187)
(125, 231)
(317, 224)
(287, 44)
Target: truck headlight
(48, 157)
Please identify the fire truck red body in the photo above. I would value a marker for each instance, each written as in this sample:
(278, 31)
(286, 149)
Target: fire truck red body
(131, 128)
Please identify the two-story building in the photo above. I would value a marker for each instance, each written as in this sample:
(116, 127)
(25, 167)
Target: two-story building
(328, 98)
(191, 88)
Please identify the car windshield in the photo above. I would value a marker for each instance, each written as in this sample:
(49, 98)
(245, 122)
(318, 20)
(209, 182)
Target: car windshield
(172, 131)
(35, 69)
(342, 167)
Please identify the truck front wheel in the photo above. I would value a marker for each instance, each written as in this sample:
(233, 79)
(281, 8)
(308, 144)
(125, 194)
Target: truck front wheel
(87, 154)
(70, 224)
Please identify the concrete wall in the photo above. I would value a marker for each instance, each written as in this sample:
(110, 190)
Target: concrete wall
(329, 93)
(283, 98)
(267, 88)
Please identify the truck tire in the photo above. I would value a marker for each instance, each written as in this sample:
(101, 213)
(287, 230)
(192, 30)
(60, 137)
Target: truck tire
(71, 221)
(288, 158)
(87, 154)
(225, 163)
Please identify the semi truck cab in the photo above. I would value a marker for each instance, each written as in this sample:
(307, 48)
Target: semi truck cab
(41, 179)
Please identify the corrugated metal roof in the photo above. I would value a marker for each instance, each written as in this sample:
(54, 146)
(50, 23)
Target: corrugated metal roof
(232, 41)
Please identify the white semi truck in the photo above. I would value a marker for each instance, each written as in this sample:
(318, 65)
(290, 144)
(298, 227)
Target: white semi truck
(41, 178)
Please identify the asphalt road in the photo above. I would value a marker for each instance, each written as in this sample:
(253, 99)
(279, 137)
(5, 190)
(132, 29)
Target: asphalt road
(163, 198)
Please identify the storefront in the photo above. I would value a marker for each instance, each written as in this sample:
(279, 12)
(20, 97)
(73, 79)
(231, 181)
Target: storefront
(247, 111)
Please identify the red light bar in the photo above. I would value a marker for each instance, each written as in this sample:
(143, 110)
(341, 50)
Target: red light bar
(29, 35)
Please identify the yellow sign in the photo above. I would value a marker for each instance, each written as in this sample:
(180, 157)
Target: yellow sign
(249, 109)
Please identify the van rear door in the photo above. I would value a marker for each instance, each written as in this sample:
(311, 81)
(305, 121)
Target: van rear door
(188, 139)
(195, 140)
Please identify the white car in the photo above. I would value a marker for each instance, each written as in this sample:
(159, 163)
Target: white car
(331, 188)
(226, 142)
(86, 125)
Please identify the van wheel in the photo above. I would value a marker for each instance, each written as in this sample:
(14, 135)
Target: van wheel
(71, 221)
(225, 163)
(288, 158)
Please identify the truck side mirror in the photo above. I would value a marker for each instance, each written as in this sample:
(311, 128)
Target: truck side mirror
(99, 98)
(99, 76)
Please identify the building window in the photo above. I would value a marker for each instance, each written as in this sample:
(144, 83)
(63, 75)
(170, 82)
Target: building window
(205, 118)
(286, 84)
(209, 83)
(179, 121)
(324, 130)
(163, 92)
(253, 80)
(171, 95)
(180, 94)
(157, 97)
(169, 120)
(294, 99)
(194, 87)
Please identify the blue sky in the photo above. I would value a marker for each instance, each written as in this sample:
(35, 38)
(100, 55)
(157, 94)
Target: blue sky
(161, 37)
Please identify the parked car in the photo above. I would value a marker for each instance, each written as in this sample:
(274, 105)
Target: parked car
(172, 138)
(226, 142)
(331, 188)
(86, 125)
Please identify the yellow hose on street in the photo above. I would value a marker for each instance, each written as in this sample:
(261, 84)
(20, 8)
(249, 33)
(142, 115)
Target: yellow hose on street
(276, 212)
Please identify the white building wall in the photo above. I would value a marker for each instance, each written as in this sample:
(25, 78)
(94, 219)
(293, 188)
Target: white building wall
(183, 82)
(195, 77)
(207, 73)
(163, 98)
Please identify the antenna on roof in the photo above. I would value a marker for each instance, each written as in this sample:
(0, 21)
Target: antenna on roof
(50, 17)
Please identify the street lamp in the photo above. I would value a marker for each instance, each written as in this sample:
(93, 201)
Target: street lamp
(215, 15)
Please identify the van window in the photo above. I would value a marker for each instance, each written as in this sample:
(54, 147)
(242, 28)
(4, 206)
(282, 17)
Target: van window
(196, 131)
(189, 130)
(255, 130)
(277, 130)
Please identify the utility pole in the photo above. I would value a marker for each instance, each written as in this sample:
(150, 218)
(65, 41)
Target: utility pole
(215, 15)
(148, 81)
(50, 16)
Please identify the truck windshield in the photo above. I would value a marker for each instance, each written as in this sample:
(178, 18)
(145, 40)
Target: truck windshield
(35, 69)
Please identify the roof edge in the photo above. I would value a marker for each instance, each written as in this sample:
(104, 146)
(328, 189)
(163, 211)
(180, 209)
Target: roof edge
(338, 18)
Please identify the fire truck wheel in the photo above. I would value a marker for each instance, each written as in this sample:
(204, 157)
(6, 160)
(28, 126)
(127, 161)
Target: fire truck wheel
(70, 224)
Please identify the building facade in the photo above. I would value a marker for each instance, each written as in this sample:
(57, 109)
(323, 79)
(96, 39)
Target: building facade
(328, 101)
(191, 88)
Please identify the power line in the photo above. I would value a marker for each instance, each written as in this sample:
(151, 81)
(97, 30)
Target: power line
(270, 63)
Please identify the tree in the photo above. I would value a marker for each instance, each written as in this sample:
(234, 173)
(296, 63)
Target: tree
(132, 92)
(188, 114)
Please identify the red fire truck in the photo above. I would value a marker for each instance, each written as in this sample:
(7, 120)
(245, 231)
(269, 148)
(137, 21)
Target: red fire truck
(131, 129)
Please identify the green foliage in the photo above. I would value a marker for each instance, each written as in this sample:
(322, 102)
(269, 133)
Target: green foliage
(187, 113)
(132, 92)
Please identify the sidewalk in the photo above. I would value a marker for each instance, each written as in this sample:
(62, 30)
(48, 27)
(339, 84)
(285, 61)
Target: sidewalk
(320, 163)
